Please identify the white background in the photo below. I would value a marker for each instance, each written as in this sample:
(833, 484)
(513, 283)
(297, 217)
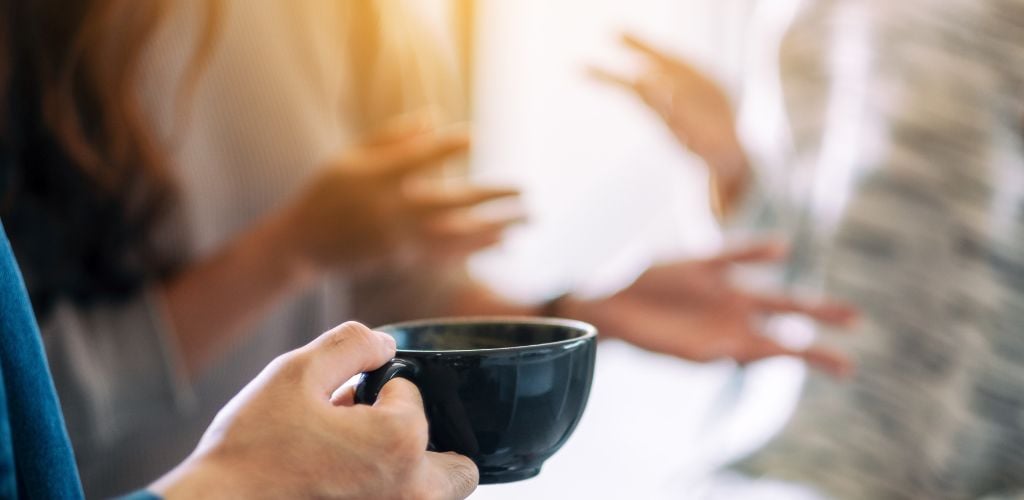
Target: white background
(609, 192)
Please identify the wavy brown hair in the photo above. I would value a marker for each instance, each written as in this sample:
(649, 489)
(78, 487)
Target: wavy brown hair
(87, 185)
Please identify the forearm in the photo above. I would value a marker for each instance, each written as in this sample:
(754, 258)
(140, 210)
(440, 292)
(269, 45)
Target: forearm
(213, 302)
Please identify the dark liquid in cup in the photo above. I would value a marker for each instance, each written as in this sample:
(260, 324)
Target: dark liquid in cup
(469, 336)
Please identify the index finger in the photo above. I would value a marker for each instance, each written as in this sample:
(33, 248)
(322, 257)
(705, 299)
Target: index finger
(828, 361)
(828, 312)
(606, 76)
(432, 201)
(419, 153)
(659, 56)
(343, 352)
(399, 129)
(750, 254)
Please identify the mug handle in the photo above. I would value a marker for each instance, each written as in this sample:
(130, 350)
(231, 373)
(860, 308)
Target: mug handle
(370, 383)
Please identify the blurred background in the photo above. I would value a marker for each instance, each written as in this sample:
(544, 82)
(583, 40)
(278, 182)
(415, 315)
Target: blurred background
(599, 216)
(201, 185)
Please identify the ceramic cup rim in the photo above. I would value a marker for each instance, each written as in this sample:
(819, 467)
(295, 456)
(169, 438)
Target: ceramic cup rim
(589, 331)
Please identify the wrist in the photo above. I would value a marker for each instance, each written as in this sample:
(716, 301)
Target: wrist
(200, 477)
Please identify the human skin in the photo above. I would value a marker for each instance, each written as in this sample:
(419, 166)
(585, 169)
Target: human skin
(696, 110)
(361, 215)
(284, 436)
(362, 212)
(693, 309)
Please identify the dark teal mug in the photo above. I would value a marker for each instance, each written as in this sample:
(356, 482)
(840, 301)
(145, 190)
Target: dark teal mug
(505, 392)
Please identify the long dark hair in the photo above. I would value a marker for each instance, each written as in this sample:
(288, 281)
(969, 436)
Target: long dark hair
(86, 189)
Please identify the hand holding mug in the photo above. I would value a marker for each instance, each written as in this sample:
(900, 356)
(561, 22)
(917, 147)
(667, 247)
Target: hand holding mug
(283, 437)
(507, 392)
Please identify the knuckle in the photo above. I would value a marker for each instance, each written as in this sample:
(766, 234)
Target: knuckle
(354, 328)
(348, 333)
(290, 365)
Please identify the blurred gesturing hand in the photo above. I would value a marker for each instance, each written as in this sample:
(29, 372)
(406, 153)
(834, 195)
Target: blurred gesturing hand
(367, 208)
(364, 210)
(695, 109)
(691, 309)
(283, 437)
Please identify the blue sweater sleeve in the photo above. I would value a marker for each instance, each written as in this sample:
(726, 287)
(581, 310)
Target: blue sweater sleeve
(35, 453)
(140, 495)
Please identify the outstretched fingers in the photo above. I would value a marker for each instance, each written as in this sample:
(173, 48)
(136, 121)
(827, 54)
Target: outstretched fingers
(612, 77)
(765, 252)
(828, 361)
(432, 201)
(400, 129)
(418, 153)
(642, 46)
(459, 236)
(660, 57)
(828, 312)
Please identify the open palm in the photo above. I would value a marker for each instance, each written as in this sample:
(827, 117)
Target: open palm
(693, 310)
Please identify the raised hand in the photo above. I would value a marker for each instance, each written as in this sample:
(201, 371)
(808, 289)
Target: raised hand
(695, 109)
(374, 206)
(691, 309)
(283, 436)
